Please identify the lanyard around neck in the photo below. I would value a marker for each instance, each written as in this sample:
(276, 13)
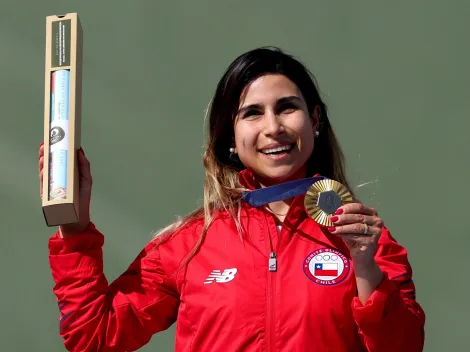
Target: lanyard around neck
(263, 196)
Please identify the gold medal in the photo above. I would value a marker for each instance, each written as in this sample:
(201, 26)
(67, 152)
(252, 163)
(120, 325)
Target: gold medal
(323, 198)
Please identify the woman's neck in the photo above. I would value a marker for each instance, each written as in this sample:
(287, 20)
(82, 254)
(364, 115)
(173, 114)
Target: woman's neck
(267, 182)
(279, 209)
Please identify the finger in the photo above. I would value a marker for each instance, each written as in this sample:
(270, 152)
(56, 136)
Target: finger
(41, 149)
(356, 208)
(353, 219)
(356, 241)
(359, 241)
(84, 166)
(41, 178)
(355, 229)
(41, 164)
(355, 244)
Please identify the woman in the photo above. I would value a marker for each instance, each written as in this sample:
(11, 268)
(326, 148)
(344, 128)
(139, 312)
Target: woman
(238, 277)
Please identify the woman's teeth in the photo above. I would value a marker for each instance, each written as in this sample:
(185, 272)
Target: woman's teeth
(277, 150)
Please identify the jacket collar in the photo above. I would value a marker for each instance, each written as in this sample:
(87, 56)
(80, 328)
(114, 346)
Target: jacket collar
(247, 180)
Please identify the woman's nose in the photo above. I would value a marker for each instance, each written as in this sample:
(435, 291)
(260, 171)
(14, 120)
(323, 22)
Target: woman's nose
(273, 124)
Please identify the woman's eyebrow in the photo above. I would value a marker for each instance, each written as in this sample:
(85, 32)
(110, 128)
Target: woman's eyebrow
(289, 99)
(248, 107)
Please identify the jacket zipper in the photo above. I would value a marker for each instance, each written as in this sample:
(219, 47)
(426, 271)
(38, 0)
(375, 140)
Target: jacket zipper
(272, 264)
(271, 310)
(272, 269)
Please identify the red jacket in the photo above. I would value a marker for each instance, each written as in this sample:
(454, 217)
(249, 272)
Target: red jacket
(226, 299)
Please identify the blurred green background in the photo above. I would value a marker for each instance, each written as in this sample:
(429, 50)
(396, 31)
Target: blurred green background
(394, 75)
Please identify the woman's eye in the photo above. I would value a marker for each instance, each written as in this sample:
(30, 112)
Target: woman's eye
(288, 108)
(251, 113)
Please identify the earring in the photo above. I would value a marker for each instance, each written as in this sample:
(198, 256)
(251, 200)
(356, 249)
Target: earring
(317, 133)
(233, 156)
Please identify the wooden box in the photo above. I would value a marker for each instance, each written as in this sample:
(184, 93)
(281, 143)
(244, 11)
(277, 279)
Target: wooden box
(62, 119)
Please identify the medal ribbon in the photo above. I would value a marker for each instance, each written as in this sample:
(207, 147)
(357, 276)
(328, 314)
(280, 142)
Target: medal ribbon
(263, 196)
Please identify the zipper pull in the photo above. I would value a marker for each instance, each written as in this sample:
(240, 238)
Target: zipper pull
(272, 262)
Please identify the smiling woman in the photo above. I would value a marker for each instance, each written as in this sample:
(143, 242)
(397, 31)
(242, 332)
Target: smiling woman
(239, 277)
(274, 131)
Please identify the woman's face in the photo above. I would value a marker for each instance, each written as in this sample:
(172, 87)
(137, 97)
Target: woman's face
(274, 133)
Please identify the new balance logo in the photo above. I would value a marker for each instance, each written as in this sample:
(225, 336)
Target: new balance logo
(217, 276)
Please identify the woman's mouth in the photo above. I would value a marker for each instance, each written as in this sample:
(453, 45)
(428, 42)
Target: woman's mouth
(277, 151)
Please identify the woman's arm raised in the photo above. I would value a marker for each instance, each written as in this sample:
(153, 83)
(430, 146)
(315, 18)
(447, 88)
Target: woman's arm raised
(96, 316)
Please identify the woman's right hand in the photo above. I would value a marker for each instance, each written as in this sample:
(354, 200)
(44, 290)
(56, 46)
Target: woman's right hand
(85, 185)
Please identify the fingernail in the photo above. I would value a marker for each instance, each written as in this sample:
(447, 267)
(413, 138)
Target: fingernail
(334, 218)
(331, 229)
(339, 211)
(40, 144)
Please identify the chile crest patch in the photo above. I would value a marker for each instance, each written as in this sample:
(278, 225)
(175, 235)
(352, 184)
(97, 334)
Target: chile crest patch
(326, 266)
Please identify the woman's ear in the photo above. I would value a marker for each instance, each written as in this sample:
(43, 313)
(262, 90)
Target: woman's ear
(233, 147)
(316, 117)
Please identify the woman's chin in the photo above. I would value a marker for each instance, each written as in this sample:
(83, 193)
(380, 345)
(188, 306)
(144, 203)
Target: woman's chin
(273, 177)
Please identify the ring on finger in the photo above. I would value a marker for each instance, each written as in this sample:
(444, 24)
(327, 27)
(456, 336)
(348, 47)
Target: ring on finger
(366, 229)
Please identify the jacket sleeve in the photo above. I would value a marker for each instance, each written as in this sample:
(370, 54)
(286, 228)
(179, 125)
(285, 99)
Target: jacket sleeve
(391, 319)
(122, 316)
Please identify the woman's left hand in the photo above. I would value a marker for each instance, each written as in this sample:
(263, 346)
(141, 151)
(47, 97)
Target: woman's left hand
(360, 228)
